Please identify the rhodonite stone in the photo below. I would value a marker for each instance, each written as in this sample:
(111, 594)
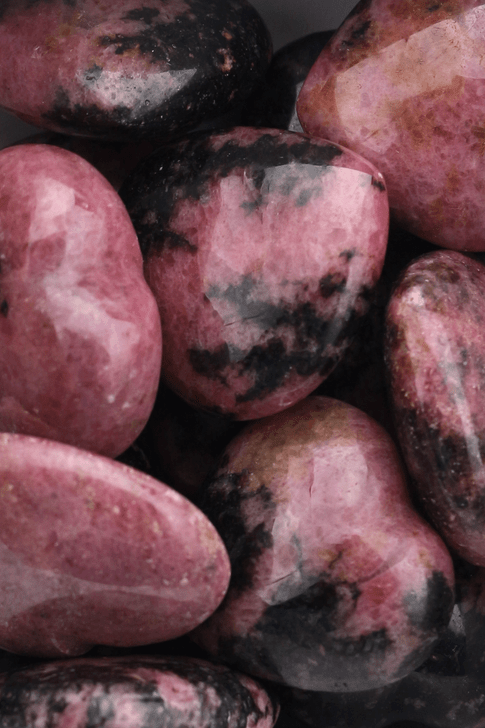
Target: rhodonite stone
(80, 336)
(128, 70)
(434, 355)
(402, 84)
(133, 692)
(273, 103)
(337, 584)
(261, 247)
(95, 552)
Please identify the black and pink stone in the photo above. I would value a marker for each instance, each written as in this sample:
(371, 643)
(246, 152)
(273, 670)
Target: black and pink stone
(435, 358)
(133, 692)
(93, 552)
(128, 70)
(337, 583)
(261, 247)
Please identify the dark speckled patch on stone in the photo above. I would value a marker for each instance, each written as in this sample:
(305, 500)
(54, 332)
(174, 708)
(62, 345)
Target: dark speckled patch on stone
(268, 364)
(118, 688)
(186, 170)
(223, 501)
(214, 53)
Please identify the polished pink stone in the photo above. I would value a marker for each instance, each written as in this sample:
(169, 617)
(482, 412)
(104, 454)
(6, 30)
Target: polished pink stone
(262, 248)
(133, 692)
(337, 584)
(95, 552)
(402, 83)
(435, 353)
(80, 338)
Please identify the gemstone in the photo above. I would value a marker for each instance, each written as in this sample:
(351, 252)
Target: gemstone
(136, 692)
(435, 347)
(95, 552)
(402, 84)
(128, 70)
(261, 247)
(80, 334)
(337, 584)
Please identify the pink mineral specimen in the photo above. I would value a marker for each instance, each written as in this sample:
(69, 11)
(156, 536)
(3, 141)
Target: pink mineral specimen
(402, 83)
(262, 248)
(95, 552)
(337, 584)
(435, 346)
(80, 337)
(133, 692)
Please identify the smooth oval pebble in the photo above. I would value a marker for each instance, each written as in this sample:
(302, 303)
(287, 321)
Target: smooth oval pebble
(337, 584)
(128, 70)
(402, 84)
(435, 354)
(95, 552)
(80, 337)
(133, 692)
(262, 248)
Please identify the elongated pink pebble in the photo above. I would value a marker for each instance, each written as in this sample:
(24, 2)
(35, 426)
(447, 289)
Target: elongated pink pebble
(95, 552)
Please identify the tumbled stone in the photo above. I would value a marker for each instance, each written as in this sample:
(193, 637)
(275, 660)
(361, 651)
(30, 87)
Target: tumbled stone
(402, 84)
(80, 336)
(261, 247)
(435, 357)
(133, 692)
(337, 584)
(128, 70)
(95, 552)
(273, 103)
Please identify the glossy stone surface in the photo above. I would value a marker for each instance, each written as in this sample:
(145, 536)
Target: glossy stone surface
(337, 584)
(133, 692)
(435, 357)
(80, 352)
(273, 103)
(94, 552)
(128, 70)
(261, 248)
(402, 84)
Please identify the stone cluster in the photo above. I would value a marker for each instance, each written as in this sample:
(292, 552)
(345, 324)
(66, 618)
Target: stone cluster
(241, 428)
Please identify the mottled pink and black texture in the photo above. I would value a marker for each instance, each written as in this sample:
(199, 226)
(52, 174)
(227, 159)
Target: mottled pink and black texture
(337, 584)
(435, 354)
(262, 248)
(402, 83)
(95, 552)
(128, 70)
(80, 336)
(133, 692)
